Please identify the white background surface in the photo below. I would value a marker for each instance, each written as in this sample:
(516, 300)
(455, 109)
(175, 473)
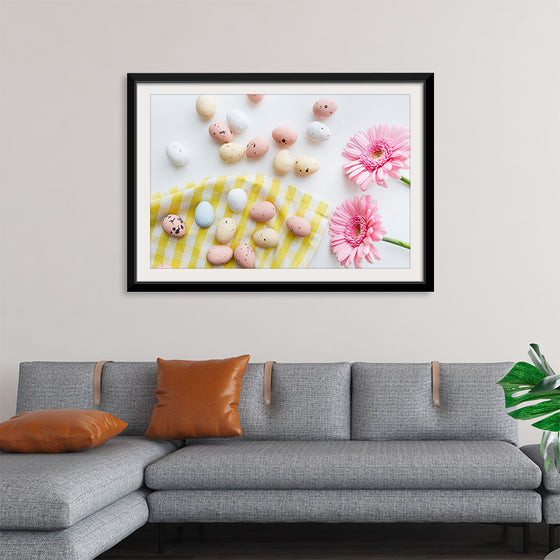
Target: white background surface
(174, 119)
(63, 289)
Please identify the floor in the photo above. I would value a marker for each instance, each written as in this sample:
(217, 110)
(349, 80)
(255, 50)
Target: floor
(333, 542)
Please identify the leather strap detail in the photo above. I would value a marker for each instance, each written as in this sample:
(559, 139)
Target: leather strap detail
(435, 384)
(267, 396)
(97, 370)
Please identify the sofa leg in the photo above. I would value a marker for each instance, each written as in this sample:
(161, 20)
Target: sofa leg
(161, 538)
(525, 538)
(551, 544)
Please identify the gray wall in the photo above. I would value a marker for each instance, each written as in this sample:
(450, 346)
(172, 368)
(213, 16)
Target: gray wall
(63, 179)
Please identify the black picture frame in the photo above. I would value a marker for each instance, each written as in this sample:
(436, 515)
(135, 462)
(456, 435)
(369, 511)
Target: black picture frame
(425, 80)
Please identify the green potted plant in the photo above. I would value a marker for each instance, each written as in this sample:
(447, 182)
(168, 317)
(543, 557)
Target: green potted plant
(526, 383)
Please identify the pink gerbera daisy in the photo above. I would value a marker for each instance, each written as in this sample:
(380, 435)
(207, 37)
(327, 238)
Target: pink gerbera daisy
(354, 227)
(379, 152)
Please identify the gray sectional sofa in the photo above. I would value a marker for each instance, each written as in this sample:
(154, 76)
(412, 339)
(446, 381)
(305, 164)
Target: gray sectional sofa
(340, 442)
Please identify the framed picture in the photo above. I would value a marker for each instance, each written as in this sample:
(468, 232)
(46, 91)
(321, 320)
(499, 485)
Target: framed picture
(280, 182)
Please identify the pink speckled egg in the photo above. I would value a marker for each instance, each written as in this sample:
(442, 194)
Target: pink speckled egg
(244, 256)
(263, 211)
(324, 108)
(255, 98)
(173, 225)
(256, 148)
(163, 266)
(284, 135)
(219, 254)
(298, 226)
(220, 132)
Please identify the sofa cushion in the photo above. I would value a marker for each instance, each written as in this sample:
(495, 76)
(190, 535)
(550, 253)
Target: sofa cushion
(550, 478)
(344, 465)
(394, 401)
(309, 402)
(85, 540)
(54, 491)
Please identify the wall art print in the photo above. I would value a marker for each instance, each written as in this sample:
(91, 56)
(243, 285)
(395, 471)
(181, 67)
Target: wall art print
(315, 182)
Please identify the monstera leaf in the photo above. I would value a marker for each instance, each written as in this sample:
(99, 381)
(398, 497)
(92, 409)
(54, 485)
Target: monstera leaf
(526, 383)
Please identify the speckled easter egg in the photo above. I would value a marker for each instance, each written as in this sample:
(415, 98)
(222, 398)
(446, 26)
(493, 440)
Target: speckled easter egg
(244, 256)
(266, 238)
(237, 199)
(225, 230)
(263, 211)
(284, 135)
(306, 165)
(283, 161)
(220, 132)
(318, 132)
(237, 120)
(219, 254)
(204, 214)
(324, 108)
(163, 266)
(205, 106)
(173, 225)
(176, 153)
(298, 226)
(255, 98)
(231, 152)
(256, 148)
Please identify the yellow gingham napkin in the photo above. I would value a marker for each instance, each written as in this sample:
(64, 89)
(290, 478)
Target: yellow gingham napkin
(190, 251)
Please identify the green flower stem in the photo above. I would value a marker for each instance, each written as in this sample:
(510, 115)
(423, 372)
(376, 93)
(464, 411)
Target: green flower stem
(405, 180)
(396, 242)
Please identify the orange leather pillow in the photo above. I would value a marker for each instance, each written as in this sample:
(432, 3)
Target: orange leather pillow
(58, 431)
(197, 399)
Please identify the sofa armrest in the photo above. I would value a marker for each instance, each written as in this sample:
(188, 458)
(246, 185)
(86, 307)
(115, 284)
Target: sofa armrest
(551, 479)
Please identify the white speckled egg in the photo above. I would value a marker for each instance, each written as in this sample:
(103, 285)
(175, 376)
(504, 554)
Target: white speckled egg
(232, 152)
(282, 162)
(318, 132)
(176, 153)
(204, 214)
(298, 226)
(237, 199)
(205, 106)
(225, 230)
(266, 238)
(220, 132)
(263, 211)
(306, 165)
(238, 120)
(219, 254)
(244, 256)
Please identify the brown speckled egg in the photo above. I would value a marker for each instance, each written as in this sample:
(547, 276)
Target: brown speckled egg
(255, 98)
(220, 132)
(263, 211)
(284, 135)
(256, 148)
(173, 225)
(298, 226)
(244, 256)
(324, 108)
(219, 254)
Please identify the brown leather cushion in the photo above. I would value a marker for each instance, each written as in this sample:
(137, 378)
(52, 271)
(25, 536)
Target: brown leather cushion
(197, 399)
(58, 431)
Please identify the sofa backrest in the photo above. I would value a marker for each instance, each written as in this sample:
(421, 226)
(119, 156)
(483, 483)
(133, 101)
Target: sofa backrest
(309, 401)
(394, 401)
